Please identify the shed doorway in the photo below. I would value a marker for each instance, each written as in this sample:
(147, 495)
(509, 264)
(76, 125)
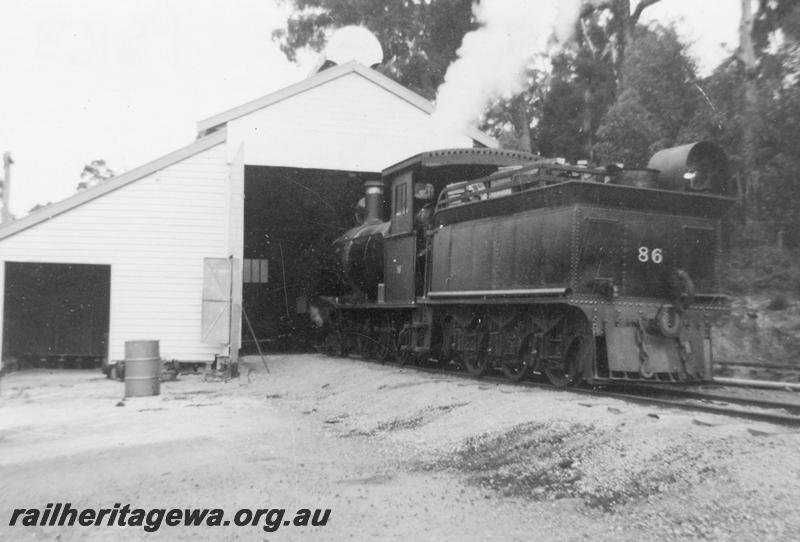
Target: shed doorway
(56, 315)
(291, 217)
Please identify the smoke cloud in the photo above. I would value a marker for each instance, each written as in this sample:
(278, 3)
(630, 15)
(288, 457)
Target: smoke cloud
(492, 59)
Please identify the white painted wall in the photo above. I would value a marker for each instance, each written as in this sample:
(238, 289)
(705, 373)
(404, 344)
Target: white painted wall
(154, 232)
(349, 124)
(2, 300)
(235, 235)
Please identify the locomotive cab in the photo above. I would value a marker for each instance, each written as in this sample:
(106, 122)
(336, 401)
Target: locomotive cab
(414, 186)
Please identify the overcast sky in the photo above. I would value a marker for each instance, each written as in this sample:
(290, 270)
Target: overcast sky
(127, 80)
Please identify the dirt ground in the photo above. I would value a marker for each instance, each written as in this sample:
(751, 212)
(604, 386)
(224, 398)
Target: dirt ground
(395, 454)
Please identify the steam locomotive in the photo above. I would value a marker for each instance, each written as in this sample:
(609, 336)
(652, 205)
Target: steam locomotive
(503, 260)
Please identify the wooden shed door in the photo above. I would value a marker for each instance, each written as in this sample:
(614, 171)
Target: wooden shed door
(217, 291)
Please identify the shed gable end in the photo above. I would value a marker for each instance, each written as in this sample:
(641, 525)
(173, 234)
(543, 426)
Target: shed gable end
(349, 123)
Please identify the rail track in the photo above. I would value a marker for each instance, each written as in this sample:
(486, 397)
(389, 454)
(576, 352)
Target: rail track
(716, 400)
(769, 374)
(753, 365)
(781, 408)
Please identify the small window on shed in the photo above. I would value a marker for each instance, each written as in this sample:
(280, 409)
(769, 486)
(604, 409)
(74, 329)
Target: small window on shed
(255, 271)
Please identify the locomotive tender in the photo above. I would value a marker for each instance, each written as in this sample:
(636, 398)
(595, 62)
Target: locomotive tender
(505, 260)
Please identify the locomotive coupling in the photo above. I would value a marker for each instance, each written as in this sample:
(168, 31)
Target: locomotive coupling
(668, 321)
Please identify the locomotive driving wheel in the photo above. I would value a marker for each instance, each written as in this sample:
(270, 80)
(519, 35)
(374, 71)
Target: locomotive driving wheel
(341, 346)
(365, 344)
(526, 359)
(404, 354)
(567, 370)
(477, 361)
(387, 346)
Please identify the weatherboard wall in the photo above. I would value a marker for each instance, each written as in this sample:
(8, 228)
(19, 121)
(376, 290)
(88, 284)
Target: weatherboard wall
(154, 233)
(347, 124)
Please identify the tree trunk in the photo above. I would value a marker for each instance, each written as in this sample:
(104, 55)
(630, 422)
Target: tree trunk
(588, 129)
(624, 27)
(749, 136)
(522, 123)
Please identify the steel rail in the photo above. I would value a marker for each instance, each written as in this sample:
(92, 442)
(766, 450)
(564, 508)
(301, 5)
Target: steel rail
(746, 383)
(772, 417)
(713, 396)
(754, 365)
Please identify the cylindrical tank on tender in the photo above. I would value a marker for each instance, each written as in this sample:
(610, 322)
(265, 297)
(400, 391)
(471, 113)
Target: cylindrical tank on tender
(697, 167)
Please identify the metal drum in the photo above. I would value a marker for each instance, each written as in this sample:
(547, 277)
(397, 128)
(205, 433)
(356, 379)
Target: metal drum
(142, 368)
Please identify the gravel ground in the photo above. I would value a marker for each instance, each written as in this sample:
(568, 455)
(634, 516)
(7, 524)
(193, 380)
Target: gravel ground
(394, 453)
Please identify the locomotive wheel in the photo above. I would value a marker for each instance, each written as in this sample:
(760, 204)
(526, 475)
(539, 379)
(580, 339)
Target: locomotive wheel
(364, 346)
(341, 348)
(386, 348)
(333, 345)
(477, 363)
(525, 361)
(567, 371)
(403, 354)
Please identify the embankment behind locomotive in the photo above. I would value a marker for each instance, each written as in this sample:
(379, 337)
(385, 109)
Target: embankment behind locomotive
(505, 260)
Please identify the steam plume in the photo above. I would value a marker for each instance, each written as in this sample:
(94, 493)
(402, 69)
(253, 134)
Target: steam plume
(492, 59)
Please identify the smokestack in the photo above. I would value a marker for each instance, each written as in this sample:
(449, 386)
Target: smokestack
(373, 201)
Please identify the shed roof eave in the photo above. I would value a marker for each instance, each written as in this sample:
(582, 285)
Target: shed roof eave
(60, 207)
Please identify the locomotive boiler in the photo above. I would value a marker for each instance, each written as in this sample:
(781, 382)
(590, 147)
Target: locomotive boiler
(501, 260)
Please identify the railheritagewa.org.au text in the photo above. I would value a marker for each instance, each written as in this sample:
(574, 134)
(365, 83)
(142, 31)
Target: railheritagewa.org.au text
(152, 519)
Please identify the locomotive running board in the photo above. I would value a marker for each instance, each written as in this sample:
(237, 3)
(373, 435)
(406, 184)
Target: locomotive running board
(337, 303)
(537, 292)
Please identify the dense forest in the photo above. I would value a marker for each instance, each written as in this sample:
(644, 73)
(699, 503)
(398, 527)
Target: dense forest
(619, 90)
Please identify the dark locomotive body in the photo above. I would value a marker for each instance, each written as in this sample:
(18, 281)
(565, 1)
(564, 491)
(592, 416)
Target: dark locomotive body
(497, 259)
